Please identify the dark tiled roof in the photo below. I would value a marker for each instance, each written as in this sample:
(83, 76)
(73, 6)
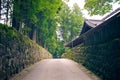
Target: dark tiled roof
(91, 26)
(92, 23)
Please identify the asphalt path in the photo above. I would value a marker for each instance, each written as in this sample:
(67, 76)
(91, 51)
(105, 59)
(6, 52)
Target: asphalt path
(57, 69)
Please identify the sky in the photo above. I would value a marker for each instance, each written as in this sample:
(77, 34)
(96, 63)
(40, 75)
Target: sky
(85, 12)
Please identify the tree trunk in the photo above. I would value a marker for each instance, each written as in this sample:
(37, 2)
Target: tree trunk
(20, 27)
(0, 8)
(15, 23)
(33, 33)
(7, 11)
(15, 20)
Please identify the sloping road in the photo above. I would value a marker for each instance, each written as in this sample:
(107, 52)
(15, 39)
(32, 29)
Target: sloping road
(57, 69)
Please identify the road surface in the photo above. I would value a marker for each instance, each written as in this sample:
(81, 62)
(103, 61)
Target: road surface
(57, 69)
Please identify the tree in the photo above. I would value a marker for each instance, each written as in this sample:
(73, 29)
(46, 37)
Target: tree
(60, 49)
(5, 10)
(24, 12)
(46, 25)
(0, 8)
(33, 11)
(100, 7)
(37, 19)
(70, 22)
(46, 34)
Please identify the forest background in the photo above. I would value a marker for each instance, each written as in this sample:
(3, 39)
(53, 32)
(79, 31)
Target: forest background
(51, 24)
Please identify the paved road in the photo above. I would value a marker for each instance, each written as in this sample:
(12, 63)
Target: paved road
(57, 69)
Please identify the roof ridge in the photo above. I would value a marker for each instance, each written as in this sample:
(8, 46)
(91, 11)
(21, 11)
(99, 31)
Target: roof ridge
(112, 13)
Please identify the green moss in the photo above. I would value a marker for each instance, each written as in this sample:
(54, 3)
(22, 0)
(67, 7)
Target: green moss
(102, 59)
(17, 51)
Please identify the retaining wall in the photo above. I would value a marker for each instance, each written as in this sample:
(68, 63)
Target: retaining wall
(17, 52)
(100, 52)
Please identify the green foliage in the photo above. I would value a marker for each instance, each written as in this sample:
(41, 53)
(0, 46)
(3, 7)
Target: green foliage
(70, 21)
(100, 7)
(60, 49)
(40, 14)
(46, 25)
(26, 30)
(8, 31)
(100, 52)
(17, 52)
(68, 54)
(102, 59)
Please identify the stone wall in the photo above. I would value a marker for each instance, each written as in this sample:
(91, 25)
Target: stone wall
(17, 52)
(100, 52)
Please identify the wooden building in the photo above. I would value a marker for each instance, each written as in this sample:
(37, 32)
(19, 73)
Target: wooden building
(93, 26)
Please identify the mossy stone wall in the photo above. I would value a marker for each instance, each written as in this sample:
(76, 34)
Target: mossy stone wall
(17, 52)
(100, 52)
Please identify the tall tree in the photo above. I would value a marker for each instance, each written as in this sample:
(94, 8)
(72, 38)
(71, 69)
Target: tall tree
(0, 8)
(46, 23)
(16, 16)
(70, 22)
(32, 10)
(5, 10)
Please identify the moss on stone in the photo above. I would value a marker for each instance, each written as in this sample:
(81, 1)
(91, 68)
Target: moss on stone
(17, 52)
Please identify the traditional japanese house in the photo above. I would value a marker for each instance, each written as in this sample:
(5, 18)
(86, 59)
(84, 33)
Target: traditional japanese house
(109, 26)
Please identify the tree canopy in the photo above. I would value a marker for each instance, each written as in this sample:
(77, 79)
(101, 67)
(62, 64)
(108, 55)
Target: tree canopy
(40, 19)
(100, 7)
(71, 21)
